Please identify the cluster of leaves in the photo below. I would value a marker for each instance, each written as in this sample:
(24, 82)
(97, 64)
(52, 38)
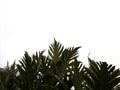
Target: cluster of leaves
(59, 70)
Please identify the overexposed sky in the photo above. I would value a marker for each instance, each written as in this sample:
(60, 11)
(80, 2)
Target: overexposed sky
(31, 25)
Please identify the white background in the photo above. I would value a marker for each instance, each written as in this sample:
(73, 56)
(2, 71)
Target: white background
(31, 25)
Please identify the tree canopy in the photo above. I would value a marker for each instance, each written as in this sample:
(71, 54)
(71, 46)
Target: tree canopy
(59, 70)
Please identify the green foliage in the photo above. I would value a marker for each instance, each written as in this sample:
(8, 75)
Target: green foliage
(68, 55)
(59, 70)
(29, 71)
(8, 77)
(77, 72)
(101, 76)
(55, 51)
(60, 59)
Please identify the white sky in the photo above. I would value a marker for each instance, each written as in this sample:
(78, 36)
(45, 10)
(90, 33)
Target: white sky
(31, 25)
